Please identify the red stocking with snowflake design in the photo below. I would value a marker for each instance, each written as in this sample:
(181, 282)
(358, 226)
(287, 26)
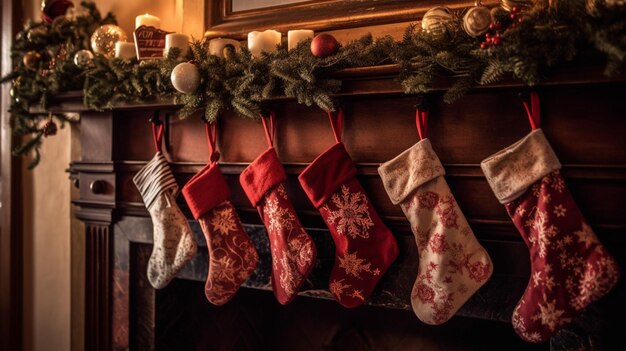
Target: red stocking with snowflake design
(293, 251)
(364, 246)
(232, 257)
(570, 268)
(452, 263)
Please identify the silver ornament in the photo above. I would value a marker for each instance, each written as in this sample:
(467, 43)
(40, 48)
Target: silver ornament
(477, 20)
(437, 20)
(82, 58)
(104, 38)
(522, 5)
(185, 77)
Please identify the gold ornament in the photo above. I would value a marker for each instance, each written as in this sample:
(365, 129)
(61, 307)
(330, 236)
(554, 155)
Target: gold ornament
(82, 58)
(31, 60)
(522, 5)
(477, 20)
(104, 38)
(437, 20)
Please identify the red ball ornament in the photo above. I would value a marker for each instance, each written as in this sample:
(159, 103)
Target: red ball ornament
(51, 9)
(324, 45)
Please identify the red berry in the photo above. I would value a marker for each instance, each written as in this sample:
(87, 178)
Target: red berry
(492, 26)
(515, 9)
(498, 25)
(512, 15)
(483, 45)
(487, 35)
(521, 19)
(496, 40)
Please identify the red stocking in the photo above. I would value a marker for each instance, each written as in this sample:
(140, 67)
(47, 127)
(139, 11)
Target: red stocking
(569, 266)
(293, 251)
(364, 246)
(232, 257)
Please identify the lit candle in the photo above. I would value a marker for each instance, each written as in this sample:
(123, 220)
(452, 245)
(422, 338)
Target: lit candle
(263, 41)
(177, 40)
(147, 20)
(296, 36)
(216, 46)
(125, 50)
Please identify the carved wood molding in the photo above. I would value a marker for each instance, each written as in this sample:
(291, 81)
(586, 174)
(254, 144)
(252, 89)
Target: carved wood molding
(98, 287)
(317, 15)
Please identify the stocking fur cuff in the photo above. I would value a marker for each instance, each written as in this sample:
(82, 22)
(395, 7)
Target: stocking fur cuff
(154, 178)
(205, 190)
(326, 173)
(406, 172)
(513, 170)
(262, 175)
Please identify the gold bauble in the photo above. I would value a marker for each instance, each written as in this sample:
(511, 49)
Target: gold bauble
(31, 59)
(104, 38)
(522, 5)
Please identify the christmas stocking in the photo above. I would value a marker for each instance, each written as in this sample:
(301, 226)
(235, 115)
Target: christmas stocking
(174, 244)
(569, 266)
(452, 263)
(293, 251)
(232, 257)
(364, 246)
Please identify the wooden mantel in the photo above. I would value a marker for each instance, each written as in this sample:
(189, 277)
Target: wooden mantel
(582, 115)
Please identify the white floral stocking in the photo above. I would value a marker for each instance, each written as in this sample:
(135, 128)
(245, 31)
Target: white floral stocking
(453, 264)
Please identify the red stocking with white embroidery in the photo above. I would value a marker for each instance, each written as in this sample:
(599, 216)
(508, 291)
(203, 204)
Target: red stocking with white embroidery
(293, 251)
(452, 263)
(364, 247)
(570, 268)
(232, 257)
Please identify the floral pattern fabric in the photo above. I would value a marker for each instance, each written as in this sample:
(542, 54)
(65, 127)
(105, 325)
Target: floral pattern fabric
(570, 268)
(232, 257)
(452, 263)
(293, 251)
(364, 246)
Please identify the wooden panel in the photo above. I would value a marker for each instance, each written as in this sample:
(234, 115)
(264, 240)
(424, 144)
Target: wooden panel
(98, 289)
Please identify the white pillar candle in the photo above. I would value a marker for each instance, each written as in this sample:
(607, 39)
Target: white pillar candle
(263, 41)
(177, 40)
(125, 50)
(296, 36)
(147, 20)
(216, 46)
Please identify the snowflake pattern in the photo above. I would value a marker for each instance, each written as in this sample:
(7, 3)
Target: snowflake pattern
(353, 265)
(570, 268)
(293, 251)
(351, 214)
(550, 316)
(232, 257)
(280, 218)
(223, 220)
(337, 287)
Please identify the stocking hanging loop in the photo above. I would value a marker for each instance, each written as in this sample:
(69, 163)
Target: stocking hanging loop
(533, 110)
(336, 122)
(211, 135)
(421, 121)
(157, 131)
(268, 127)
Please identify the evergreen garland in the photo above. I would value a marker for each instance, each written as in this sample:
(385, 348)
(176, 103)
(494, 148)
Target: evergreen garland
(545, 36)
(56, 44)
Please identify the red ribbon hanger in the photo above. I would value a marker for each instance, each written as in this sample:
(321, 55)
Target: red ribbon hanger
(268, 126)
(211, 135)
(157, 133)
(421, 121)
(336, 122)
(533, 110)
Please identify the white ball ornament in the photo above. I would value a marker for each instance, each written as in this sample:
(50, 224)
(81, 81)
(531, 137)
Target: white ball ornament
(185, 77)
(477, 20)
(437, 20)
(82, 58)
